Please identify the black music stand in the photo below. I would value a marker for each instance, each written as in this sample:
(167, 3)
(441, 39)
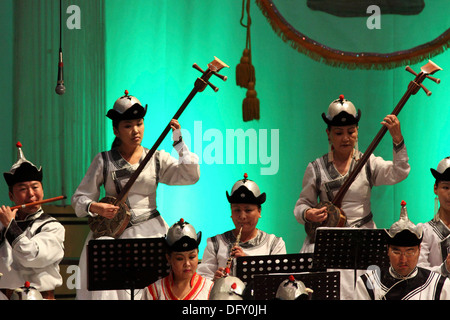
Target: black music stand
(325, 285)
(125, 263)
(350, 248)
(251, 269)
(248, 266)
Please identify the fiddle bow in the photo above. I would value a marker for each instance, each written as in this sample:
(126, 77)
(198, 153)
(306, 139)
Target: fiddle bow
(114, 227)
(336, 217)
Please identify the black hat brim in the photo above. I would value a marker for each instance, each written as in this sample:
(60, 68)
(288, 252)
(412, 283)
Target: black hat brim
(243, 195)
(185, 243)
(343, 118)
(404, 238)
(26, 172)
(136, 111)
(445, 176)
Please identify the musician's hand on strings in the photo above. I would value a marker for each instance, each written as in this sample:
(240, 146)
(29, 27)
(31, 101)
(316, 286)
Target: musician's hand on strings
(6, 215)
(106, 210)
(316, 215)
(393, 125)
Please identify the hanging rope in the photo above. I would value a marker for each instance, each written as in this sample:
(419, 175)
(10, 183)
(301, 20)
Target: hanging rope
(245, 71)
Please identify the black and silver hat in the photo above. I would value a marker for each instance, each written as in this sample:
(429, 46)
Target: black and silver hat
(127, 107)
(182, 237)
(341, 112)
(22, 170)
(442, 172)
(227, 288)
(292, 289)
(246, 191)
(404, 233)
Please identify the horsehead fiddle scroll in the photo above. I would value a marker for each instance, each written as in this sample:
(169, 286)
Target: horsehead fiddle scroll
(114, 227)
(336, 217)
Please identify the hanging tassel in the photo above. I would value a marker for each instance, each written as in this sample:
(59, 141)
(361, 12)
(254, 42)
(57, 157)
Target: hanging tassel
(245, 71)
(250, 105)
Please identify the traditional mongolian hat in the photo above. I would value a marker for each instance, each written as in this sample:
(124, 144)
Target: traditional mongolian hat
(246, 191)
(341, 112)
(22, 170)
(227, 288)
(182, 237)
(442, 172)
(404, 233)
(292, 289)
(127, 107)
(27, 292)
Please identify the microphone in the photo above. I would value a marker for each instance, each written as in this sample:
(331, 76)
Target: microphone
(60, 89)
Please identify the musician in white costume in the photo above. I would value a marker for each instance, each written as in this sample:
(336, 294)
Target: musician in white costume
(245, 200)
(324, 176)
(403, 279)
(183, 282)
(31, 242)
(434, 254)
(113, 169)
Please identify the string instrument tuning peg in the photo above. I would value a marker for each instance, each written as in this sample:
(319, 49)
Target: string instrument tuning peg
(212, 86)
(437, 80)
(213, 69)
(410, 70)
(196, 66)
(425, 72)
(434, 79)
(428, 92)
(221, 76)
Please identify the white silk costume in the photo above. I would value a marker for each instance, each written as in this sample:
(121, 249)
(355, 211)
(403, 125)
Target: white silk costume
(322, 181)
(433, 249)
(31, 250)
(421, 284)
(218, 249)
(112, 171)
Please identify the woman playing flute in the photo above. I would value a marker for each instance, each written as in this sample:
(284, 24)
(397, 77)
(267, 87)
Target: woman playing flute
(245, 201)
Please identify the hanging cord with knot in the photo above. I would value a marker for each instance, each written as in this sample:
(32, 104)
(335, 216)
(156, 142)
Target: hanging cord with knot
(245, 71)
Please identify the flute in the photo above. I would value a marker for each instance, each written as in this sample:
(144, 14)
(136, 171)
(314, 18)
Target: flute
(230, 258)
(30, 204)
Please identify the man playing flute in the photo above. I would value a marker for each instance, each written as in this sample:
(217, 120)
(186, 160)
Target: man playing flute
(31, 242)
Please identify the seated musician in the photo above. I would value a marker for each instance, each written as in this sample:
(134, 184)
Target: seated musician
(324, 176)
(246, 200)
(434, 252)
(183, 282)
(403, 279)
(31, 242)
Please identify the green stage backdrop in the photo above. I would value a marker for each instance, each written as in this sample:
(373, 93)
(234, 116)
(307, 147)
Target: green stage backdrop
(148, 47)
